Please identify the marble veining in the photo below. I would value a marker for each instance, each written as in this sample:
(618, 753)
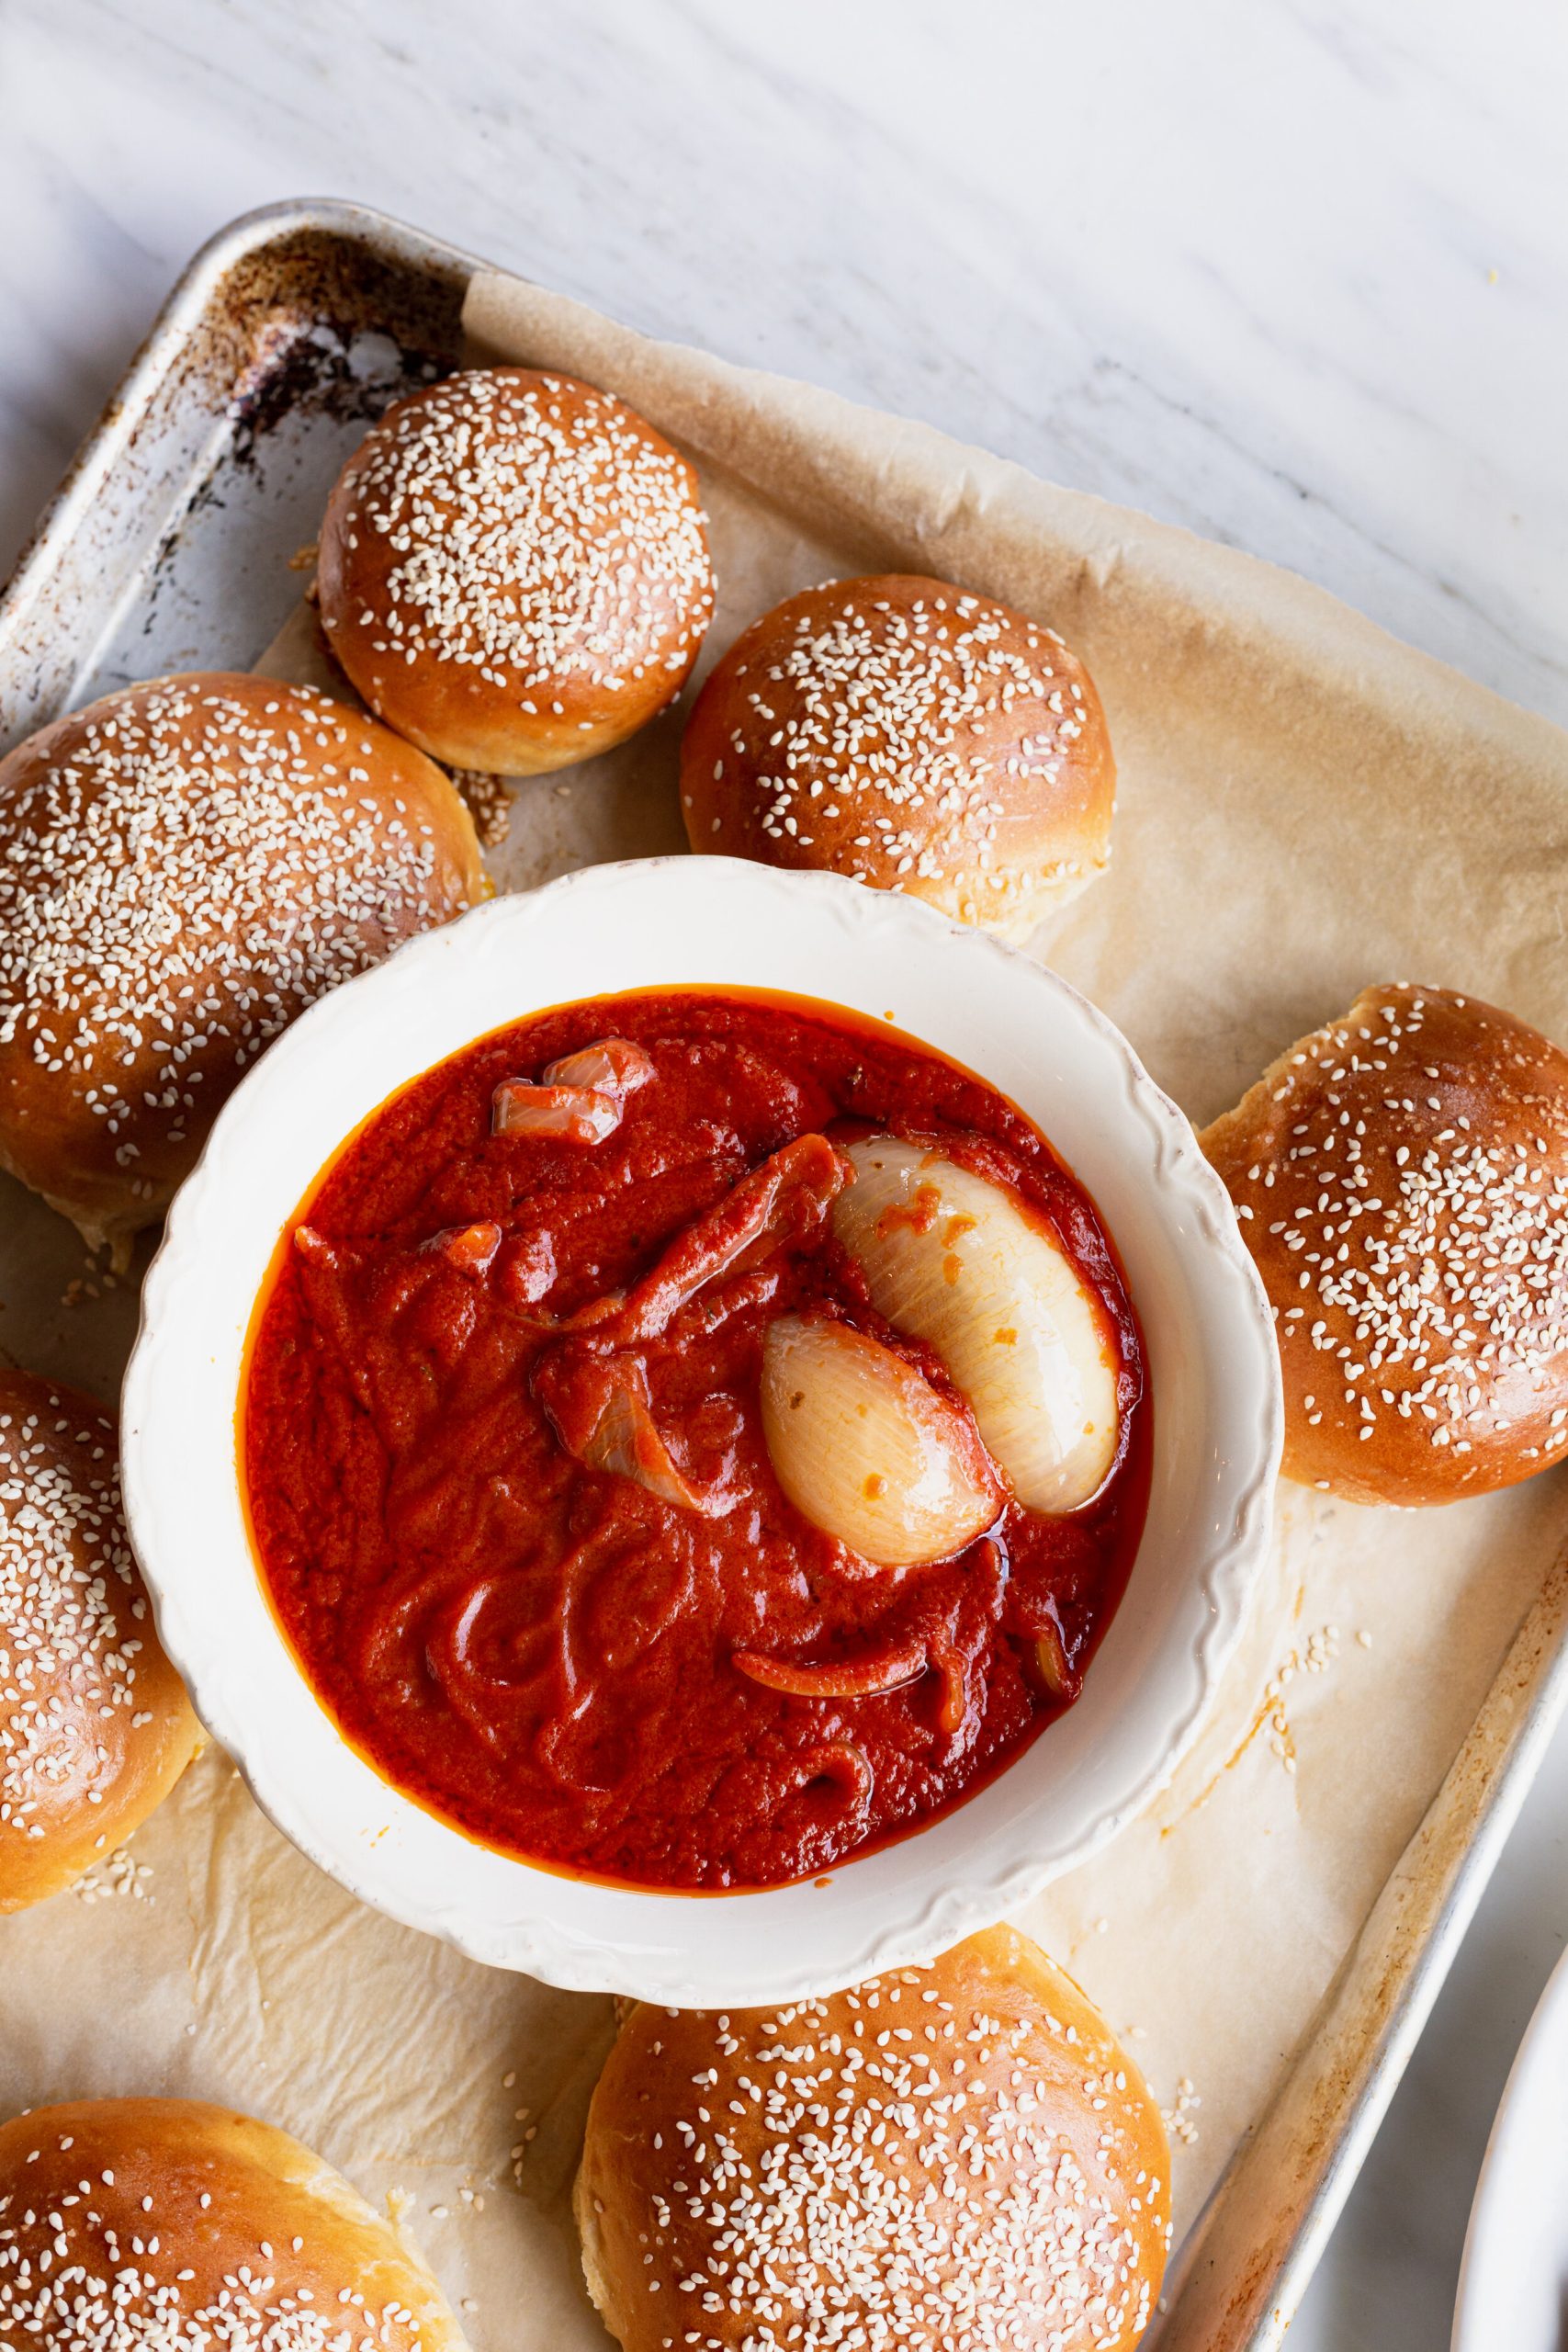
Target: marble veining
(1293, 275)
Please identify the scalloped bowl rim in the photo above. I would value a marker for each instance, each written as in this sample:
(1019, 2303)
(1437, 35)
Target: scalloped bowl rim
(690, 921)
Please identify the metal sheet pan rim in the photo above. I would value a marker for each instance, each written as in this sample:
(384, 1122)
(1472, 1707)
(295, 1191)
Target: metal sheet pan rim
(175, 328)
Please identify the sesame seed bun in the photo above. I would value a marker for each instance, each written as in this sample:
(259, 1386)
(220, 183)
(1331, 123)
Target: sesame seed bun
(95, 1728)
(515, 571)
(957, 2155)
(1402, 1182)
(908, 735)
(169, 2223)
(184, 866)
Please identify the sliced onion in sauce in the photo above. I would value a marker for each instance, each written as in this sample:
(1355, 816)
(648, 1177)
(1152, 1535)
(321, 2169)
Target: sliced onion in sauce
(1051, 1655)
(579, 1098)
(601, 1409)
(841, 1765)
(783, 1201)
(948, 1662)
(865, 1447)
(952, 1258)
(566, 1114)
(613, 1066)
(469, 1248)
(869, 1676)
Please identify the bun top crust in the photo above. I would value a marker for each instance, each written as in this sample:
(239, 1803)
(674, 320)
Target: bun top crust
(514, 569)
(905, 733)
(1402, 1181)
(184, 866)
(962, 2149)
(95, 1727)
(178, 2227)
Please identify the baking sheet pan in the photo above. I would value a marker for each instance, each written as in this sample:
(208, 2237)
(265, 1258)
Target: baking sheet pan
(238, 1972)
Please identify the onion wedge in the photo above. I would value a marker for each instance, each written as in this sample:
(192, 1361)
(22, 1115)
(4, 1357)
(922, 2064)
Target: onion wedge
(953, 1258)
(867, 1450)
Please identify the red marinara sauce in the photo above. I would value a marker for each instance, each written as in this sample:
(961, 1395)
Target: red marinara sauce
(541, 1651)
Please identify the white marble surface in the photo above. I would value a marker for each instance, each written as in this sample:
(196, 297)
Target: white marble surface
(1296, 274)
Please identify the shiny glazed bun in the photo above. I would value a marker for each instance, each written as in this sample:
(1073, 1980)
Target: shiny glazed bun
(166, 2226)
(905, 733)
(957, 2155)
(184, 866)
(1402, 1181)
(95, 1727)
(515, 571)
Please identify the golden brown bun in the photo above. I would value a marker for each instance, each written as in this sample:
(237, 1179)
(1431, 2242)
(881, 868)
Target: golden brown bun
(912, 736)
(964, 2146)
(1402, 1181)
(168, 2224)
(515, 571)
(184, 866)
(95, 1726)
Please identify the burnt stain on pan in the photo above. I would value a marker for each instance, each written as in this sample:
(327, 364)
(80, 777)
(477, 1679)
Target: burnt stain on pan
(305, 336)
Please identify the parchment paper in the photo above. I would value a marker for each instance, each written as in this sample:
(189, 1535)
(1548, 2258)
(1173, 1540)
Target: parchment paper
(1305, 806)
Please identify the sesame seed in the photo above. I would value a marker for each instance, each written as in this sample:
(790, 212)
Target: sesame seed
(1430, 1228)
(182, 873)
(68, 1653)
(932, 732)
(877, 2194)
(540, 542)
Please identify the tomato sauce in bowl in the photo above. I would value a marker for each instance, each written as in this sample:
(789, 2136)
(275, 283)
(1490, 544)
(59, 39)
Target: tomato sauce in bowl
(508, 1480)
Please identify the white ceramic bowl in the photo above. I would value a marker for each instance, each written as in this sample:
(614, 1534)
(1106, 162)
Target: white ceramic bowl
(1212, 1359)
